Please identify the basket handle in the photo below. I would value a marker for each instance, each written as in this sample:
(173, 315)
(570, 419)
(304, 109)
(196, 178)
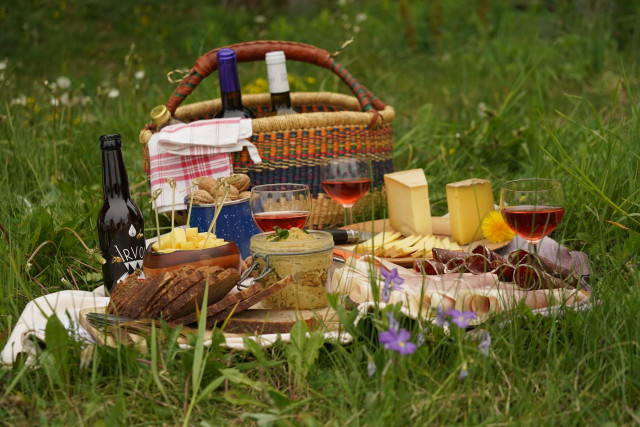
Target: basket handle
(256, 51)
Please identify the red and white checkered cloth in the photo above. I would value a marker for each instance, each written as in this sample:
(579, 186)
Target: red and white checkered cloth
(188, 151)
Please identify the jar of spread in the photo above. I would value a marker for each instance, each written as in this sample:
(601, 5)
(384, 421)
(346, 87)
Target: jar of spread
(304, 255)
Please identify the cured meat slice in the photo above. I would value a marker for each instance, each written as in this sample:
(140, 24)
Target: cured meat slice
(530, 278)
(504, 271)
(428, 267)
(446, 255)
(477, 263)
(507, 297)
(491, 255)
(456, 265)
(521, 256)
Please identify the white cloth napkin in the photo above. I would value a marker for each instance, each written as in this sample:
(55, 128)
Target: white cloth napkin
(188, 151)
(33, 320)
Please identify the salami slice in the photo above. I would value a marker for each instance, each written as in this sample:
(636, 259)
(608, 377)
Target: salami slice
(455, 265)
(428, 267)
(446, 255)
(531, 278)
(487, 253)
(521, 256)
(504, 271)
(477, 263)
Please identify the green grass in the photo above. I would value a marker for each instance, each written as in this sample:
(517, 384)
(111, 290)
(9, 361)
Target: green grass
(538, 91)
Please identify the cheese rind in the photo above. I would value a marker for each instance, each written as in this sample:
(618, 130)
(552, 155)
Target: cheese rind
(408, 202)
(469, 201)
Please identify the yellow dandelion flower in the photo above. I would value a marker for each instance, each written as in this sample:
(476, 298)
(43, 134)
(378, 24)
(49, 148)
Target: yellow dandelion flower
(311, 80)
(495, 229)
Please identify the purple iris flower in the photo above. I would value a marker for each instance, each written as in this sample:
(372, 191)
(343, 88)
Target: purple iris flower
(392, 279)
(398, 341)
(386, 294)
(461, 318)
(392, 282)
(485, 343)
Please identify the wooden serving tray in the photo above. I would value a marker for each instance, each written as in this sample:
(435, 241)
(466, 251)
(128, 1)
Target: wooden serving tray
(441, 228)
(255, 322)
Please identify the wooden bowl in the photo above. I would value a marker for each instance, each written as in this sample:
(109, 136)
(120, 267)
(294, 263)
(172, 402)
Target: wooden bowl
(225, 256)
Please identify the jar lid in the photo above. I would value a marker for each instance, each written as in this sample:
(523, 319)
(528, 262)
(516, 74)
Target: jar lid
(263, 245)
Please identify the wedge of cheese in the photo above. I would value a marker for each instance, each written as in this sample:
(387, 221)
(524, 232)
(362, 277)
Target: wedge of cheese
(469, 202)
(408, 202)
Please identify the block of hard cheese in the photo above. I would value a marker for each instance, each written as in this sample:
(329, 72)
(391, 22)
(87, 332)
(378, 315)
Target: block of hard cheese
(408, 202)
(469, 201)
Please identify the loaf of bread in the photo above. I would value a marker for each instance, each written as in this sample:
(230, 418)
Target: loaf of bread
(172, 294)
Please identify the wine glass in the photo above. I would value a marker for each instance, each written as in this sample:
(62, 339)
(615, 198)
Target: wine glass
(280, 205)
(345, 180)
(532, 207)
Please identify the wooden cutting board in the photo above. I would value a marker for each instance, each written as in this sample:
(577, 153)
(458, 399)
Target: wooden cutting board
(254, 321)
(441, 228)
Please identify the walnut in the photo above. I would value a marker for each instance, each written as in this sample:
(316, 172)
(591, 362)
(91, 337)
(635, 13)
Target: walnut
(241, 181)
(233, 193)
(244, 194)
(201, 196)
(207, 184)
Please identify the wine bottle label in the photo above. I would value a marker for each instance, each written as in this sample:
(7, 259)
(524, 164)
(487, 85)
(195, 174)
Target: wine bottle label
(124, 256)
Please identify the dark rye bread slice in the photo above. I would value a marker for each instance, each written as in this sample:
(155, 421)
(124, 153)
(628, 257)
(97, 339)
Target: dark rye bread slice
(136, 302)
(249, 302)
(220, 305)
(121, 288)
(262, 321)
(219, 285)
(185, 278)
(161, 288)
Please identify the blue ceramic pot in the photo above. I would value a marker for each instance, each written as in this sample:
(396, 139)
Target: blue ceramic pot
(234, 224)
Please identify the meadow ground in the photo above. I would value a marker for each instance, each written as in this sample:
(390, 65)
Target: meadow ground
(497, 90)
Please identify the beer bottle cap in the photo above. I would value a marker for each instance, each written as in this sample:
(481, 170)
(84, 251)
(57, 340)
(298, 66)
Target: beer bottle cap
(110, 142)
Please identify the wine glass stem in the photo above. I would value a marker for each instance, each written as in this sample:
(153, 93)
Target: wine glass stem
(348, 215)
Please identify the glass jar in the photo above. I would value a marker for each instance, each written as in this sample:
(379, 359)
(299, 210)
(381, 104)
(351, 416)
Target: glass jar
(306, 257)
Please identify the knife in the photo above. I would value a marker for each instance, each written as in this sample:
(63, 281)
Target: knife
(345, 237)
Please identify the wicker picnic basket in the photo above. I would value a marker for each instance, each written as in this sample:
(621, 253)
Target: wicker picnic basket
(293, 146)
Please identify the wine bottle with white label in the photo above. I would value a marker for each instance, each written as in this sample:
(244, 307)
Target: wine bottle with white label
(120, 222)
(278, 84)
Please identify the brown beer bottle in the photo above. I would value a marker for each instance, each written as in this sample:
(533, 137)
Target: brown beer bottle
(120, 222)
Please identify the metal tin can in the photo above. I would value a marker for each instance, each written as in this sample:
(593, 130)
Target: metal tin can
(234, 223)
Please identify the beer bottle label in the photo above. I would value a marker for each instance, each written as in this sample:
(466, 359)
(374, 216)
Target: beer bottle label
(125, 254)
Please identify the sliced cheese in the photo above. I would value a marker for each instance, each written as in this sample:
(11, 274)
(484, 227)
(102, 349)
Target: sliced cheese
(408, 202)
(399, 248)
(469, 202)
(378, 240)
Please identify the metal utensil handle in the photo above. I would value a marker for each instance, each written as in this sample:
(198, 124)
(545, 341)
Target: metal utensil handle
(266, 270)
